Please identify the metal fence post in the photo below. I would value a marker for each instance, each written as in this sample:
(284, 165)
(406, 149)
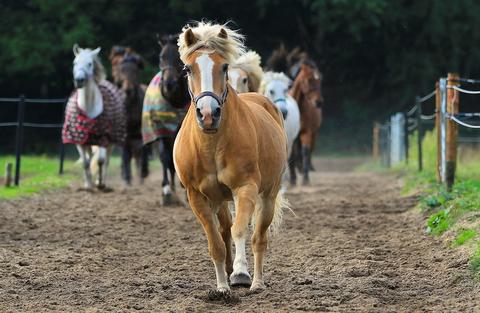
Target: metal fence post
(405, 131)
(62, 145)
(19, 138)
(419, 132)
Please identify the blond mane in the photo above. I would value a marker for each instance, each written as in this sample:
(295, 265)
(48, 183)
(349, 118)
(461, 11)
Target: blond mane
(249, 62)
(268, 77)
(207, 36)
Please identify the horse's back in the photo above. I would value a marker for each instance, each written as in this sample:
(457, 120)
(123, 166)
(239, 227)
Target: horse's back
(262, 101)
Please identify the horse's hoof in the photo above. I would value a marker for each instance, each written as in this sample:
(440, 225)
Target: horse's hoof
(104, 188)
(241, 279)
(167, 199)
(257, 287)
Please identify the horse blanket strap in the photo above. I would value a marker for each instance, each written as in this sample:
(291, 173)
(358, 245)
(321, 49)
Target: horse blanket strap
(159, 118)
(107, 128)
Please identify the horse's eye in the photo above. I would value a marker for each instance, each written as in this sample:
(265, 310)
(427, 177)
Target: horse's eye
(244, 80)
(89, 64)
(187, 69)
(271, 92)
(225, 68)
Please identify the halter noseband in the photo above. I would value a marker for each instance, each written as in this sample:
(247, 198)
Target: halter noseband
(220, 100)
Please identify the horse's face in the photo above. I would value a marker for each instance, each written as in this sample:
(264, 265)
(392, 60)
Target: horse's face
(207, 80)
(277, 92)
(171, 67)
(83, 65)
(238, 79)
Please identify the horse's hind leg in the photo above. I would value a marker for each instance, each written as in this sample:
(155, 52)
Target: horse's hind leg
(291, 167)
(144, 161)
(263, 219)
(245, 199)
(85, 157)
(216, 245)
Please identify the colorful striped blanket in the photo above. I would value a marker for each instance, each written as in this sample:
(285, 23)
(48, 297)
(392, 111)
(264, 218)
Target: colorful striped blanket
(159, 118)
(107, 128)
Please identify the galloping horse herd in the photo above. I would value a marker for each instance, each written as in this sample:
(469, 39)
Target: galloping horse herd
(228, 129)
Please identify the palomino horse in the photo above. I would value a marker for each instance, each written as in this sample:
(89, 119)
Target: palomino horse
(306, 91)
(246, 73)
(94, 116)
(275, 87)
(228, 149)
(164, 107)
(126, 65)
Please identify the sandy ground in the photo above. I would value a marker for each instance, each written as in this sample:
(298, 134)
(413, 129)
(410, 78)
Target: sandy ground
(353, 247)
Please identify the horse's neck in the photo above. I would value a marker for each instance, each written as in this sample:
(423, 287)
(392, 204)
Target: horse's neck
(90, 99)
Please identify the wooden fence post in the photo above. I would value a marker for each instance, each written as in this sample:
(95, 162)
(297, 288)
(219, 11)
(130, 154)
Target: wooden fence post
(8, 174)
(451, 131)
(438, 101)
(376, 142)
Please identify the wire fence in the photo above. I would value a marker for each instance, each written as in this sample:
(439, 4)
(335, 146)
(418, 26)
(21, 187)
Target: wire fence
(20, 124)
(448, 119)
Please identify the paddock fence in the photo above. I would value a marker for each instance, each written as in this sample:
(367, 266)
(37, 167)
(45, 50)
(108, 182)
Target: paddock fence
(391, 138)
(20, 124)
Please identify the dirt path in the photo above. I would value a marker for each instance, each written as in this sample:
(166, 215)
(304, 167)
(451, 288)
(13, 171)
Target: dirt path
(353, 246)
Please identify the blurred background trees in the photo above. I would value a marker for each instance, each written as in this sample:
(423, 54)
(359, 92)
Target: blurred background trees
(376, 55)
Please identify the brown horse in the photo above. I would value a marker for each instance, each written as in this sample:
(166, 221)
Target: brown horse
(229, 148)
(126, 66)
(306, 91)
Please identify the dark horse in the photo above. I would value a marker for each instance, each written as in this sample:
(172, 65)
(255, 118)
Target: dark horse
(167, 109)
(306, 90)
(126, 65)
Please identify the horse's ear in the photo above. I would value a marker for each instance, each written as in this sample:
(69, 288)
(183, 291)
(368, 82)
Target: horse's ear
(223, 33)
(189, 37)
(96, 51)
(76, 49)
(159, 40)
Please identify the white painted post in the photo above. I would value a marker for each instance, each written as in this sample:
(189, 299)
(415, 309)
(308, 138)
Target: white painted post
(397, 145)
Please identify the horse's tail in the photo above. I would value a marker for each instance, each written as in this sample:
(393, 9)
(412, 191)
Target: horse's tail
(281, 204)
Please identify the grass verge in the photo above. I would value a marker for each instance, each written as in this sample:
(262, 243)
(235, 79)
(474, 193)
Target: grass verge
(452, 215)
(38, 173)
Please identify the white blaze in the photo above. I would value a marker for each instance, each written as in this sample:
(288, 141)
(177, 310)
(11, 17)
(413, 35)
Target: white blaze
(205, 64)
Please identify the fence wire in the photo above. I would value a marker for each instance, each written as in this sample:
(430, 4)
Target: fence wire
(427, 97)
(471, 92)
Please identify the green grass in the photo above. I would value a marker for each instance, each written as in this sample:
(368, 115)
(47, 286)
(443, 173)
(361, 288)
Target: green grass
(37, 173)
(464, 236)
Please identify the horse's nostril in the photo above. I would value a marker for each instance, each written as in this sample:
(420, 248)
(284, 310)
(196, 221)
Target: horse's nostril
(217, 112)
(199, 113)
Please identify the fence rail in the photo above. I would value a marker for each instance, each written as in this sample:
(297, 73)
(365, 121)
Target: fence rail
(447, 120)
(20, 124)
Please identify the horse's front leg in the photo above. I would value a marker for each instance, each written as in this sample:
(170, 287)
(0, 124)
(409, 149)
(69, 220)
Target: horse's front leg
(216, 246)
(102, 162)
(126, 161)
(245, 199)
(85, 157)
(291, 167)
(165, 157)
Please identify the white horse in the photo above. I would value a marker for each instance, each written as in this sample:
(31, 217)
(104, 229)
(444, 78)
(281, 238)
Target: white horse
(95, 116)
(246, 73)
(275, 87)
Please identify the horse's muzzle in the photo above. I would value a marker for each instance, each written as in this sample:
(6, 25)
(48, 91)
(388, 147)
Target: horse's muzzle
(79, 82)
(209, 113)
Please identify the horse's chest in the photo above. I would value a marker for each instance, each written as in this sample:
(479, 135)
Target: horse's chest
(214, 189)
